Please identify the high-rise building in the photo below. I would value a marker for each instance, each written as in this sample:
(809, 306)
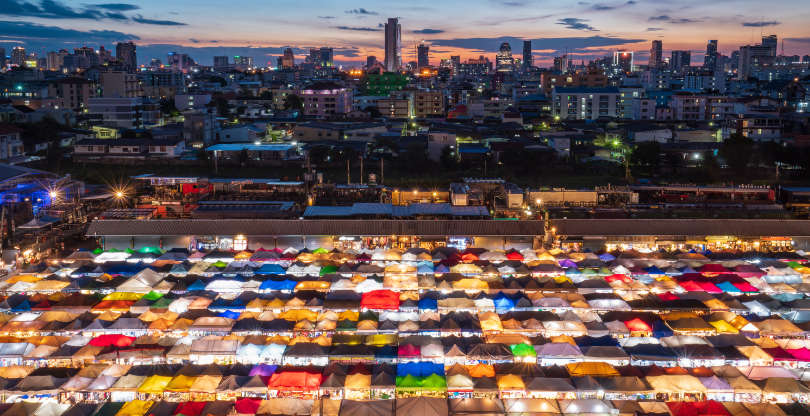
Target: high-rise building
(393, 45)
(54, 60)
(221, 63)
(422, 56)
(322, 57)
(2, 57)
(623, 61)
(18, 56)
(680, 60)
(710, 58)
(771, 42)
(561, 63)
(179, 61)
(371, 60)
(528, 59)
(504, 62)
(288, 60)
(125, 53)
(750, 57)
(656, 54)
(243, 62)
(89, 54)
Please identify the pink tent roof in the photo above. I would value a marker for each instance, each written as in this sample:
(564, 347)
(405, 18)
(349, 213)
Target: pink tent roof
(408, 350)
(801, 354)
(709, 287)
(712, 268)
(745, 287)
(691, 286)
(668, 296)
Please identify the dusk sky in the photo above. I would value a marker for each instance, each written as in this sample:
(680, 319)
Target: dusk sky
(262, 28)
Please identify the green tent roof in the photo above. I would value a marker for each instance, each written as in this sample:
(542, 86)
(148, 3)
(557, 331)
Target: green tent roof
(150, 250)
(153, 296)
(409, 381)
(522, 350)
(434, 382)
(320, 251)
(328, 270)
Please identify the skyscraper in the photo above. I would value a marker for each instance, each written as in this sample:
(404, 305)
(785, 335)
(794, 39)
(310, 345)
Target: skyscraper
(2, 57)
(371, 60)
(288, 60)
(504, 62)
(18, 56)
(561, 63)
(422, 56)
(771, 41)
(221, 63)
(680, 60)
(125, 53)
(710, 58)
(528, 59)
(322, 57)
(656, 54)
(393, 45)
(623, 61)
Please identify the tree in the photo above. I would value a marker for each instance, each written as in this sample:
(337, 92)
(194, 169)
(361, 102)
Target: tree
(293, 102)
(168, 108)
(647, 155)
(448, 158)
(737, 151)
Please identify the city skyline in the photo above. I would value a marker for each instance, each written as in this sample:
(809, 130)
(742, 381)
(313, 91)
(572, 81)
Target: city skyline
(583, 29)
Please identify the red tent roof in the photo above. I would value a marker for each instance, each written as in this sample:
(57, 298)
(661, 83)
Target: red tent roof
(514, 255)
(620, 277)
(116, 340)
(667, 296)
(707, 408)
(295, 380)
(247, 405)
(190, 408)
(637, 325)
(380, 299)
(691, 286)
(713, 268)
(408, 350)
(709, 287)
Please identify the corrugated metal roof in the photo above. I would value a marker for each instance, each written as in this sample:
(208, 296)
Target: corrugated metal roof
(683, 227)
(268, 227)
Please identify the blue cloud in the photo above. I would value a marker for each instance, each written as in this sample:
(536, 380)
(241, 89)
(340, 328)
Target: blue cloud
(358, 29)
(558, 44)
(761, 24)
(362, 11)
(576, 24)
(428, 31)
(145, 21)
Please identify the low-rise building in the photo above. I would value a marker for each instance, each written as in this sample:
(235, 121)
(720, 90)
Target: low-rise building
(586, 103)
(132, 112)
(316, 131)
(11, 145)
(141, 148)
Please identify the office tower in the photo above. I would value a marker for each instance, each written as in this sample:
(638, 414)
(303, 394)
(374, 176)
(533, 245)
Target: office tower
(771, 42)
(393, 45)
(53, 61)
(528, 59)
(504, 62)
(561, 63)
(89, 54)
(243, 62)
(104, 55)
(221, 63)
(656, 54)
(2, 57)
(750, 57)
(422, 56)
(623, 61)
(179, 61)
(125, 53)
(322, 57)
(18, 56)
(288, 60)
(710, 59)
(680, 60)
(371, 61)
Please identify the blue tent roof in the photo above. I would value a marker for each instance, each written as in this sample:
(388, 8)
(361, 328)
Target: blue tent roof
(427, 303)
(419, 369)
(424, 269)
(607, 257)
(23, 306)
(229, 315)
(503, 302)
(660, 329)
(270, 269)
(441, 269)
(197, 285)
(278, 285)
(653, 270)
(728, 287)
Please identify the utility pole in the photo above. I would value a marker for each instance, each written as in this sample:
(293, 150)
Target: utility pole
(361, 169)
(348, 172)
(382, 171)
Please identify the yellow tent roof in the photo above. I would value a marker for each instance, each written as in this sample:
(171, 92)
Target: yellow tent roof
(672, 316)
(754, 353)
(591, 368)
(470, 284)
(465, 268)
(299, 315)
(563, 338)
(715, 304)
(205, 383)
(30, 278)
(48, 285)
(154, 384)
(180, 383)
(124, 296)
(135, 408)
(349, 315)
(380, 340)
(723, 327)
(358, 381)
(510, 382)
(313, 285)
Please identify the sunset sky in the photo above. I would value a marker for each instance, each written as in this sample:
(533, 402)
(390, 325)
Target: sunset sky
(262, 28)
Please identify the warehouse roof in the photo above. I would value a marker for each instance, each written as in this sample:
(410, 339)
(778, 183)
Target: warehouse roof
(314, 227)
(683, 227)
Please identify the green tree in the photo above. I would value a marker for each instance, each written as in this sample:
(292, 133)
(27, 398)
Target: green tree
(647, 155)
(737, 151)
(168, 108)
(293, 102)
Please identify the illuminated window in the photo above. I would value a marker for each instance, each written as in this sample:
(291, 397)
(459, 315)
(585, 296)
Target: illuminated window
(240, 243)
